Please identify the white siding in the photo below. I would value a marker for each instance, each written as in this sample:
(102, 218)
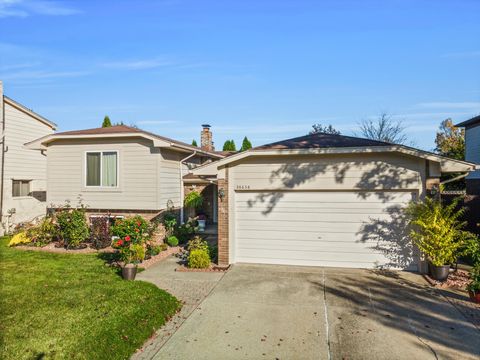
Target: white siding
(138, 166)
(472, 153)
(24, 164)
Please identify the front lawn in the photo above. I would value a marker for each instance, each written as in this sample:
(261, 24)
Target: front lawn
(66, 306)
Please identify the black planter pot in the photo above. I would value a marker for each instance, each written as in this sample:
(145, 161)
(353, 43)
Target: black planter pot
(129, 272)
(439, 273)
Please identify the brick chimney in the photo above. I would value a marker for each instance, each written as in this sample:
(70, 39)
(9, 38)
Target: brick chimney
(206, 142)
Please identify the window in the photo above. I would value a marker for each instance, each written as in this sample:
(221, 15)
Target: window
(20, 188)
(102, 168)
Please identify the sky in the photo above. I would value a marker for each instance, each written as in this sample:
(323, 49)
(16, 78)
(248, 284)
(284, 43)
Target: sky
(263, 69)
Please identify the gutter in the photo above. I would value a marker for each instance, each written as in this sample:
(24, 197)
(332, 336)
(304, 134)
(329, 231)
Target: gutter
(455, 178)
(182, 190)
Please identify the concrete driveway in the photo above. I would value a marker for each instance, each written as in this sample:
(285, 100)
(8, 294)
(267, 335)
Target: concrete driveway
(284, 312)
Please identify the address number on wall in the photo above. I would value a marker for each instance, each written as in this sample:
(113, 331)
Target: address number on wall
(242, 187)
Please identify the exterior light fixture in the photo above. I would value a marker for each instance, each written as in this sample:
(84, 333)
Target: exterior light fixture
(221, 193)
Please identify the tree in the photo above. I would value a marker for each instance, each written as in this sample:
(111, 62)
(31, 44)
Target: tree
(229, 145)
(319, 128)
(194, 143)
(385, 128)
(450, 140)
(246, 144)
(106, 121)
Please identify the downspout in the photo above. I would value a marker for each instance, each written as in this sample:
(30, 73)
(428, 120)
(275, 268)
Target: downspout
(182, 190)
(3, 159)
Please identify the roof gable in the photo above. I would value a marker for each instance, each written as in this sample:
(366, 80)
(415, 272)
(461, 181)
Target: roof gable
(30, 112)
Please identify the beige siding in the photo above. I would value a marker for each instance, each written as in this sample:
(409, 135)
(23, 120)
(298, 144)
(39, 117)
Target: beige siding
(329, 172)
(169, 178)
(472, 153)
(138, 166)
(24, 164)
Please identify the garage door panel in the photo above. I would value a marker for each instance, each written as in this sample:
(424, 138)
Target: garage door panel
(309, 217)
(315, 228)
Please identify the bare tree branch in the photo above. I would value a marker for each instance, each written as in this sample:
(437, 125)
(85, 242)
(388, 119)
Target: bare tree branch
(385, 128)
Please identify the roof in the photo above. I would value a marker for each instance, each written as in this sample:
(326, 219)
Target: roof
(321, 141)
(120, 131)
(30, 112)
(473, 121)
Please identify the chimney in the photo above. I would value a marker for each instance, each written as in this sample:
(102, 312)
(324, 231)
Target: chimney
(206, 142)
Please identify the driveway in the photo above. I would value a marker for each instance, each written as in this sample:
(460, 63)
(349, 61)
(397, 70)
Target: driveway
(284, 312)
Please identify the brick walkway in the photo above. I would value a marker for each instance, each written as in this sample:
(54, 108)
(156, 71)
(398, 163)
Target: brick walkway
(189, 287)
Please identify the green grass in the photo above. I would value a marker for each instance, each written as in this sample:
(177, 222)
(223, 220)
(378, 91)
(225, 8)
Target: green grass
(73, 306)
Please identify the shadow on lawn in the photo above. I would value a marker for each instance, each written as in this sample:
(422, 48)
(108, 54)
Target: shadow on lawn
(392, 301)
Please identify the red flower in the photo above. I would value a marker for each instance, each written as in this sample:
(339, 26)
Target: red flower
(127, 238)
(119, 243)
(137, 230)
(139, 223)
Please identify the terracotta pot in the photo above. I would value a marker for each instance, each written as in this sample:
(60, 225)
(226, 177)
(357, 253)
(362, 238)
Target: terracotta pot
(129, 272)
(474, 296)
(439, 273)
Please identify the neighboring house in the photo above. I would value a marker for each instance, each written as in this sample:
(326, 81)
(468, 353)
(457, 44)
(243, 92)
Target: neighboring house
(472, 152)
(120, 170)
(23, 179)
(323, 200)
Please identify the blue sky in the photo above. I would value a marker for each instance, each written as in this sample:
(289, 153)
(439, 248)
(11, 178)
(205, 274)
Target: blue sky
(265, 69)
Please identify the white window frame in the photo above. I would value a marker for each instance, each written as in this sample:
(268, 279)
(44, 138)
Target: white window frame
(29, 188)
(101, 186)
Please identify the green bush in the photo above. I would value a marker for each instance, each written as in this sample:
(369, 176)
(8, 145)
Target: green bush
(169, 222)
(193, 200)
(197, 243)
(198, 259)
(73, 227)
(136, 228)
(185, 231)
(44, 232)
(437, 230)
(172, 241)
(474, 284)
(163, 247)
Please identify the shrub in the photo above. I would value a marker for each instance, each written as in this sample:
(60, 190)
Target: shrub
(172, 241)
(163, 247)
(20, 238)
(100, 232)
(44, 232)
(73, 226)
(197, 243)
(136, 228)
(155, 249)
(193, 200)
(169, 222)
(437, 230)
(185, 231)
(474, 284)
(198, 259)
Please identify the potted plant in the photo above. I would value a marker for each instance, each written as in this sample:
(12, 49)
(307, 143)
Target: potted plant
(194, 200)
(437, 231)
(130, 236)
(474, 286)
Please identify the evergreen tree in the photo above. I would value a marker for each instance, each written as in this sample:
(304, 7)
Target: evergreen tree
(106, 121)
(246, 144)
(229, 145)
(194, 143)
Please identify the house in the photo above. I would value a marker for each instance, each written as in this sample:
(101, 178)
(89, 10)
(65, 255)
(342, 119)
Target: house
(121, 170)
(472, 152)
(323, 200)
(23, 171)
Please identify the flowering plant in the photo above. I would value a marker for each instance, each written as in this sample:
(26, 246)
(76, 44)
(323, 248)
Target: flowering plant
(130, 237)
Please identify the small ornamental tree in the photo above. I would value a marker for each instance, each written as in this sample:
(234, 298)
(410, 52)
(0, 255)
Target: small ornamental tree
(246, 144)
(194, 143)
(106, 122)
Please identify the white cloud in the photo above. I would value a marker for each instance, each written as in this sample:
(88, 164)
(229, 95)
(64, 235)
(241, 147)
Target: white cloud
(24, 8)
(138, 64)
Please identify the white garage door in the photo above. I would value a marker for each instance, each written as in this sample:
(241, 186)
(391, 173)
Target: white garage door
(342, 229)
